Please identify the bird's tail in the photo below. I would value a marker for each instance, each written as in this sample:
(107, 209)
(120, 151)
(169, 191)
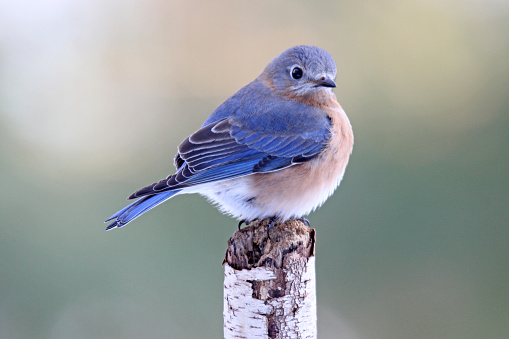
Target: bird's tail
(137, 208)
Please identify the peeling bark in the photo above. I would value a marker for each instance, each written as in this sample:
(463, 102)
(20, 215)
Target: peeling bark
(269, 284)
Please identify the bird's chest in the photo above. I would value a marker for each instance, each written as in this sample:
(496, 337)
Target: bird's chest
(297, 190)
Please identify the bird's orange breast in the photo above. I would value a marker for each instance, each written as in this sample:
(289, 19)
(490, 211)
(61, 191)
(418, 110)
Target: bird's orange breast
(298, 190)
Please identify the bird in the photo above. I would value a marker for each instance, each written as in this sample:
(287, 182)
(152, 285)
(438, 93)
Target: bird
(277, 148)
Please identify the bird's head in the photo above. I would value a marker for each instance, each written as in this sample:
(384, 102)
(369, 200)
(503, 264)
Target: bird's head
(301, 71)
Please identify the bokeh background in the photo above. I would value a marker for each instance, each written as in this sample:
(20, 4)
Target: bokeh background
(96, 95)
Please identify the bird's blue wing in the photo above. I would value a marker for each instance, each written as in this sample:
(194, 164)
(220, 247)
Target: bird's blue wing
(137, 208)
(227, 149)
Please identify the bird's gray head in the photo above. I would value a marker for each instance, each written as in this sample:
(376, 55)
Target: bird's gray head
(301, 70)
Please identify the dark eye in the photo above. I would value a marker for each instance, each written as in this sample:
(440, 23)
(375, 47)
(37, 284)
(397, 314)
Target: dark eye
(296, 73)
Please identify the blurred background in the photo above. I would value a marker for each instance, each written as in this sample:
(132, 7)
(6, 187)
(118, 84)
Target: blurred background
(96, 95)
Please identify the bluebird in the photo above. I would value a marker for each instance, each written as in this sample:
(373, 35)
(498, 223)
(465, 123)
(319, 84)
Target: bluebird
(277, 148)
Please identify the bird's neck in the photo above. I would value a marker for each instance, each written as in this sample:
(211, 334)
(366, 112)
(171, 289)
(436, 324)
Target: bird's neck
(322, 97)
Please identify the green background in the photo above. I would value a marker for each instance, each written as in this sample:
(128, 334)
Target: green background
(96, 95)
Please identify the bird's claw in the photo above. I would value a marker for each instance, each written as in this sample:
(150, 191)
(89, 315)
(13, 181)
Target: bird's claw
(272, 222)
(244, 221)
(305, 221)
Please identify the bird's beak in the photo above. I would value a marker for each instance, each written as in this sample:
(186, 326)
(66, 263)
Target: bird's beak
(325, 82)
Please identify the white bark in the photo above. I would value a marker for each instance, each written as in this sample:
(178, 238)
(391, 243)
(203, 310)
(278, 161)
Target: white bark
(277, 299)
(248, 317)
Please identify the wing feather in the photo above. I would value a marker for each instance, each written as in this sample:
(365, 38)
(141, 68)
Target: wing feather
(225, 149)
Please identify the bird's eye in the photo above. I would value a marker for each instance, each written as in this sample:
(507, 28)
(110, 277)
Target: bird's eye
(296, 72)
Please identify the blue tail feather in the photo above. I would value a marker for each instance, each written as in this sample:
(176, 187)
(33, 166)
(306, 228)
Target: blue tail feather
(137, 208)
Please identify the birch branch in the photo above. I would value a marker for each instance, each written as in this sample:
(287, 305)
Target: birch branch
(269, 283)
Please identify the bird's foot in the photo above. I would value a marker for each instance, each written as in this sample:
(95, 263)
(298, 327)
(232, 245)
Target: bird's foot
(272, 222)
(305, 221)
(244, 221)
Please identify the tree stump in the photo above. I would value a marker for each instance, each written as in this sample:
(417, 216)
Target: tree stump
(269, 283)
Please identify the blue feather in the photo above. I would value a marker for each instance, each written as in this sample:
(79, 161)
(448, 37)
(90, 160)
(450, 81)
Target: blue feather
(137, 208)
